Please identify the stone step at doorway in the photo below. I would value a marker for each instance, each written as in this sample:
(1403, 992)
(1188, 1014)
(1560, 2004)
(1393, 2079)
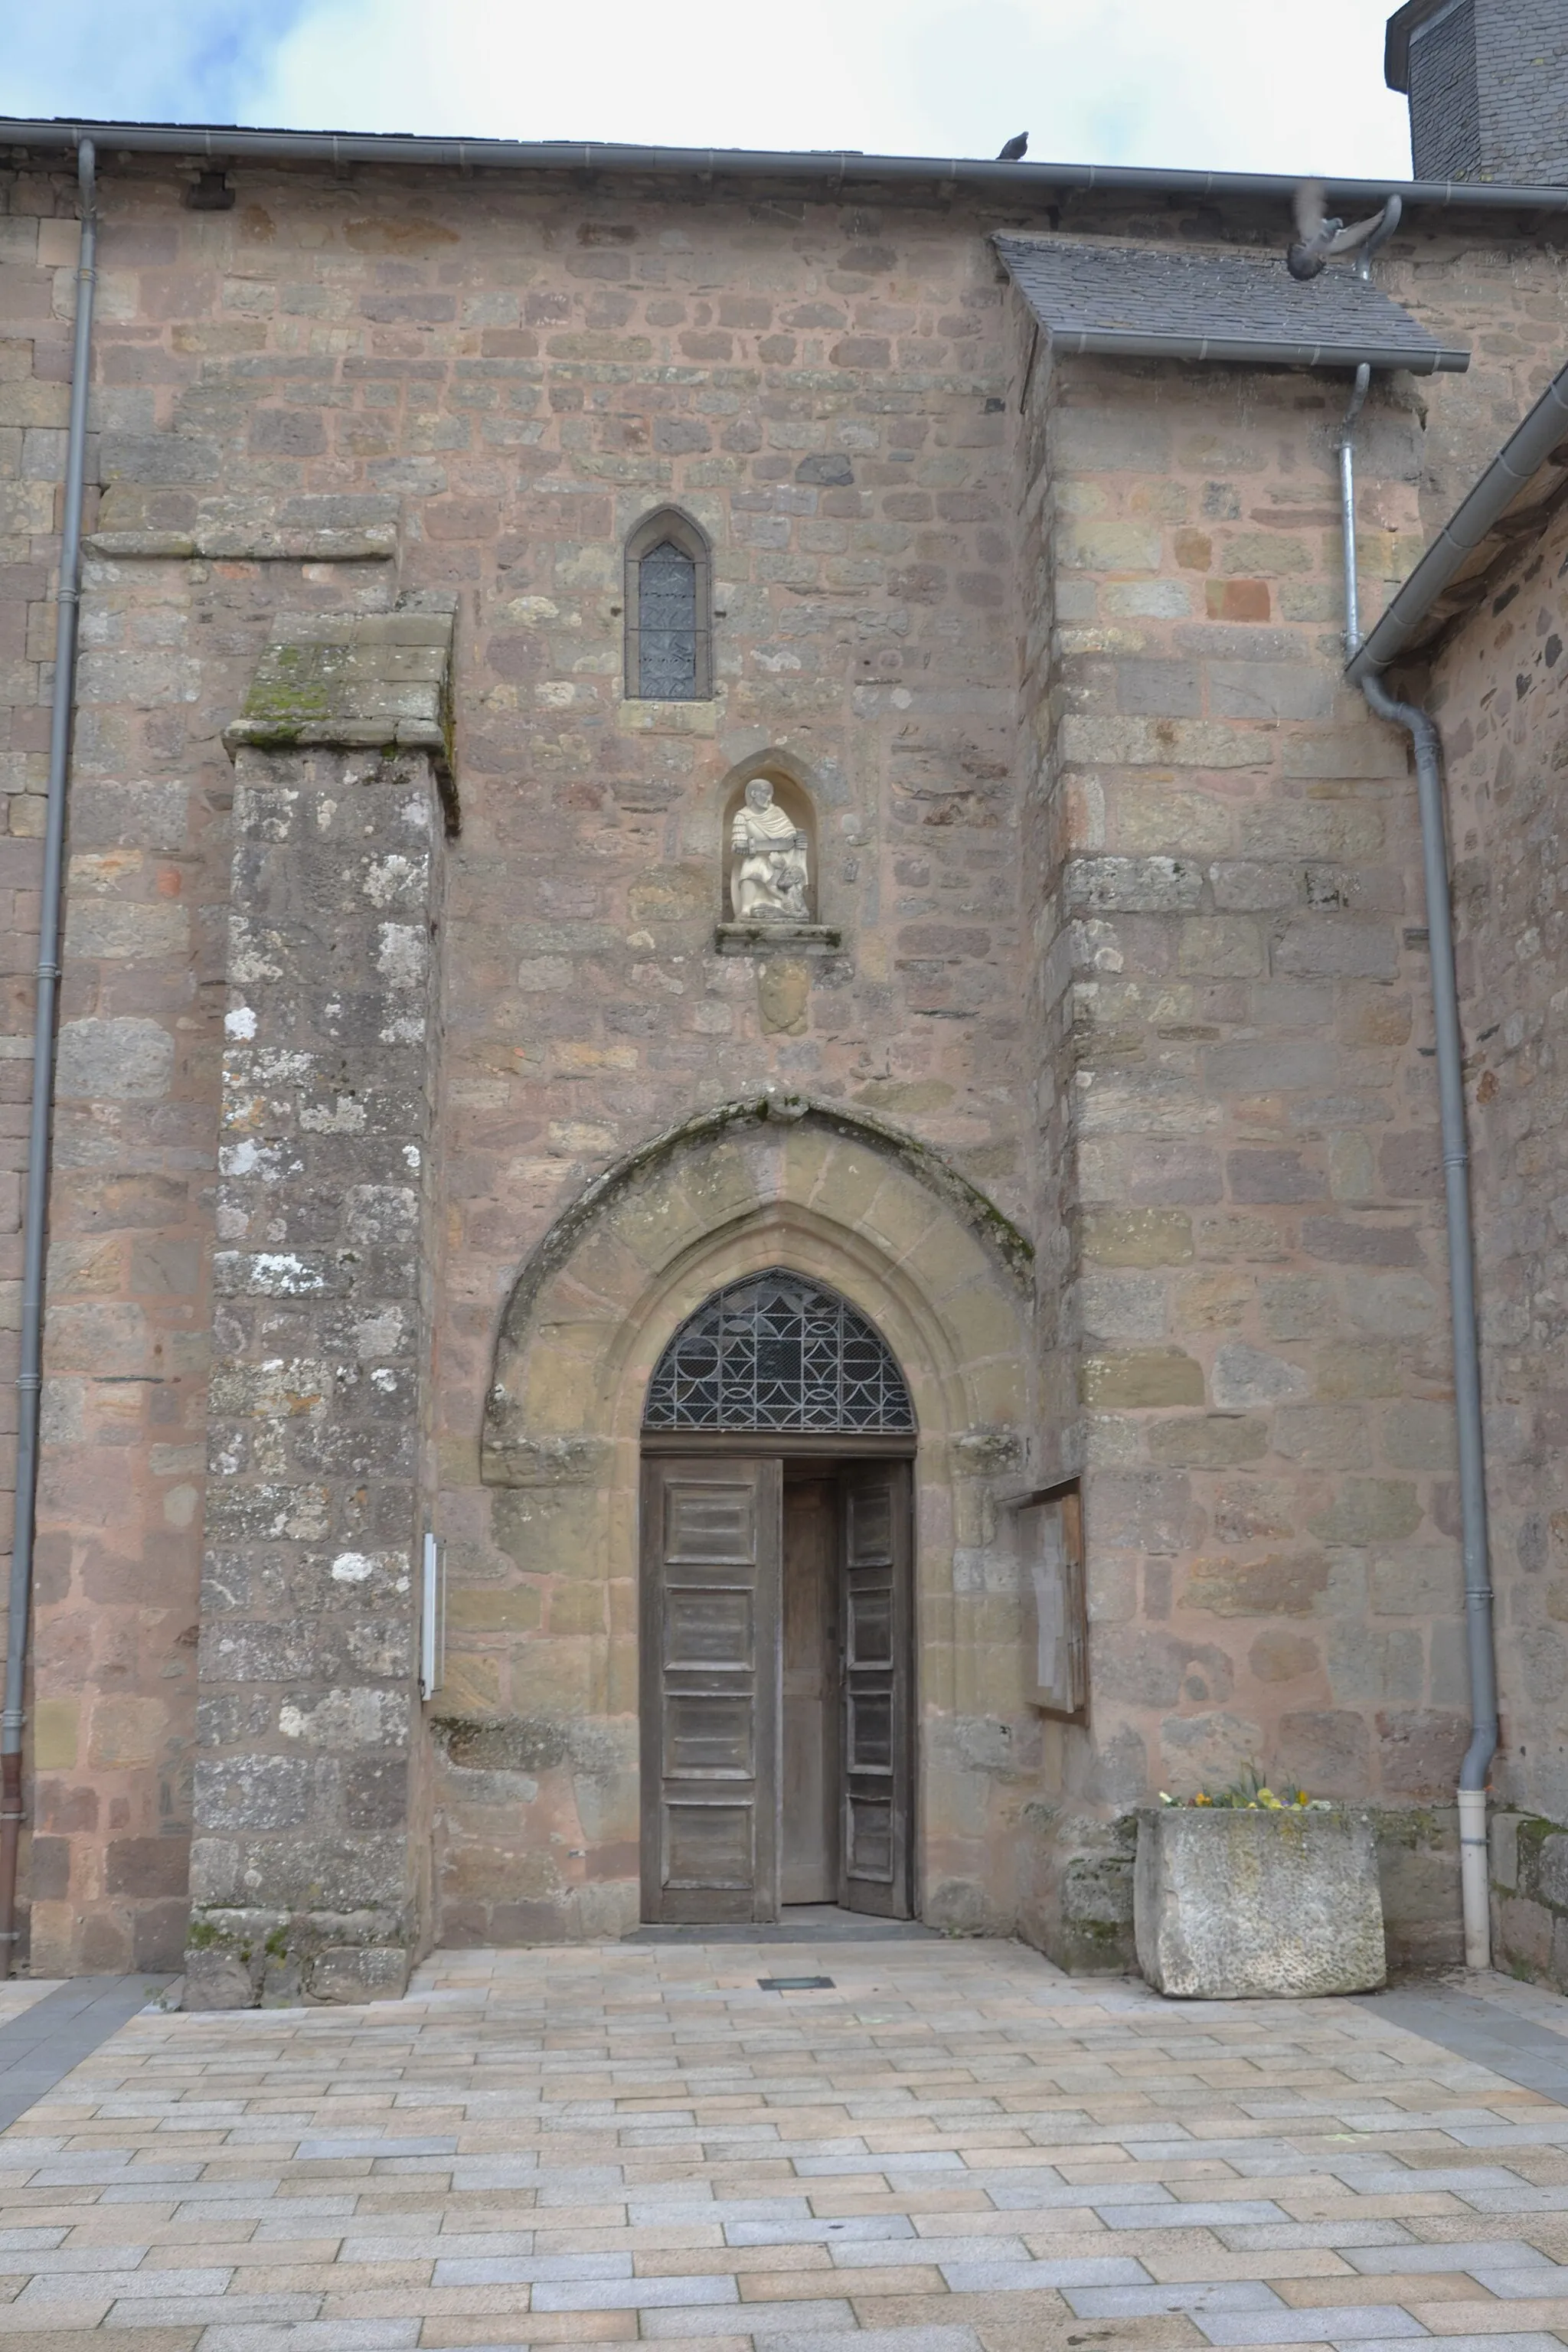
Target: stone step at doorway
(802, 1923)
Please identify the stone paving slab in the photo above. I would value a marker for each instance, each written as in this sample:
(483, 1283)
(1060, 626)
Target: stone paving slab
(952, 2149)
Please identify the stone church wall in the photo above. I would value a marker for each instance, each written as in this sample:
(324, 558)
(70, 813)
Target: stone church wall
(515, 378)
(839, 430)
(1258, 1252)
(1131, 951)
(1496, 690)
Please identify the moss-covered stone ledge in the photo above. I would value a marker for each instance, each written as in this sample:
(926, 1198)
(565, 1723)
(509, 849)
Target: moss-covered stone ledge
(358, 681)
(288, 1959)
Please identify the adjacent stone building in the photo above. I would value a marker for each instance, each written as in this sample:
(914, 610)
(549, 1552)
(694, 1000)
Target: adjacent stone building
(623, 1344)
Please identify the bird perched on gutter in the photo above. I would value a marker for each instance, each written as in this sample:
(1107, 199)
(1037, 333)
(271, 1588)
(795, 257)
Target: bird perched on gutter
(1015, 148)
(1320, 237)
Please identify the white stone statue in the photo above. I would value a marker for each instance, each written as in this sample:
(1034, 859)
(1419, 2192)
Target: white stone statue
(768, 875)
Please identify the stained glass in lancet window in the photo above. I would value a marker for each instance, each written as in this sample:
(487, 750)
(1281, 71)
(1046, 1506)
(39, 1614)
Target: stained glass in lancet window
(776, 1351)
(666, 624)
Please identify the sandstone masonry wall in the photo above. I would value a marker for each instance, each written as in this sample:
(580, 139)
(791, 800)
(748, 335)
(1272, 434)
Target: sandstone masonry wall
(1259, 1254)
(1496, 688)
(346, 387)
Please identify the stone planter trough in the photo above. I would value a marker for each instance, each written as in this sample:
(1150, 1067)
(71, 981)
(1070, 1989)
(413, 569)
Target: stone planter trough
(1231, 1906)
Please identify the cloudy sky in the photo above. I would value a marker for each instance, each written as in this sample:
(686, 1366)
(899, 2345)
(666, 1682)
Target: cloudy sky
(1230, 84)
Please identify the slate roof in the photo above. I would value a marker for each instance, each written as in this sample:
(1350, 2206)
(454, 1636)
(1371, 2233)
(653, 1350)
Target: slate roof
(1138, 301)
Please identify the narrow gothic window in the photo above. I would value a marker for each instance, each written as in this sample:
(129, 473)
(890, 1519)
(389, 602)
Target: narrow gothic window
(777, 1351)
(666, 624)
(668, 651)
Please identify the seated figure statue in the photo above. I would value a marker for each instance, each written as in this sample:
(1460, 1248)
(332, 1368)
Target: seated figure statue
(768, 875)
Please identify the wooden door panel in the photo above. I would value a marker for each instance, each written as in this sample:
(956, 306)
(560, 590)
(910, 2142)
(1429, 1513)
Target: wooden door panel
(707, 1625)
(870, 1598)
(877, 1607)
(870, 1516)
(711, 1519)
(708, 1847)
(709, 1736)
(709, 1615)
(870, 1742)
(870, 1834)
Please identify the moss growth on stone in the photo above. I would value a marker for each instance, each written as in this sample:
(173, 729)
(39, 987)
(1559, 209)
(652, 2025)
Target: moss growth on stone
(289, 693)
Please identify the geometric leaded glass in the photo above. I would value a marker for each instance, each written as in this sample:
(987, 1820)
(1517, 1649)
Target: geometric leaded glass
(777, 1351)
(666, 624)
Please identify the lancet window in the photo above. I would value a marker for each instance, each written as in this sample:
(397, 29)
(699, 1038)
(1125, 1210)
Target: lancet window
(668, 599)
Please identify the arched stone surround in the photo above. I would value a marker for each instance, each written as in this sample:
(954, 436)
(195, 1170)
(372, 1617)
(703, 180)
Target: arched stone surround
(948, 1281)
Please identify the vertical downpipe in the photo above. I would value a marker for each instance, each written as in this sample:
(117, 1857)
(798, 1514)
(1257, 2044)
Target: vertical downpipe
(29, 1377)
(1347, 508)
(1427, 744)
(1475, 1544)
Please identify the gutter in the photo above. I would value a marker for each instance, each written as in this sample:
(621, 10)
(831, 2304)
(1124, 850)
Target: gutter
(1438, 357)
(1508, 474)
(826, 168)
(35, 1214)
(1521, 456)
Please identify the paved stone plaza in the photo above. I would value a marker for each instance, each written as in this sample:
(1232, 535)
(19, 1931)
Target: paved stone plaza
(955, 2149)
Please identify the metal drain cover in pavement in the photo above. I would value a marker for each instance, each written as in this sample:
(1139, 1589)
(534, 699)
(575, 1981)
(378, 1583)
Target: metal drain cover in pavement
(795, 1984)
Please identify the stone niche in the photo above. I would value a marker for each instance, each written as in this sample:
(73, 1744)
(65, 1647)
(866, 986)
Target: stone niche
(749, 929)
(303, 1874)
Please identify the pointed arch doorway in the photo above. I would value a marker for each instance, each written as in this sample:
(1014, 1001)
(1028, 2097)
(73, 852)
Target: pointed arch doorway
(776, 1612)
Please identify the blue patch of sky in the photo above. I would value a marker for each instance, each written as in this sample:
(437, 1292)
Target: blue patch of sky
(142, 60)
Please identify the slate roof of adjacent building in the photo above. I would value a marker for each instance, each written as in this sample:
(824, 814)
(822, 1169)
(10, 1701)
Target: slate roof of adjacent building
(1396, 38)
(1139, 301)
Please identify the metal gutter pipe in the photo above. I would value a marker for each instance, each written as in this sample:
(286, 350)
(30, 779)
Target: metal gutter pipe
(1422, 730)
(830, 167)
(1426, 743)
(29, 1377)
(1393, 212)
(1347, 505)
(1127, 343)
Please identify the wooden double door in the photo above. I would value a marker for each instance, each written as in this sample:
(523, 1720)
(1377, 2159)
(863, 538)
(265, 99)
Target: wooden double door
(777, 1637)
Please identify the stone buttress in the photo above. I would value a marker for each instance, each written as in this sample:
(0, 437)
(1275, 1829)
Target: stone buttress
(304, 1881)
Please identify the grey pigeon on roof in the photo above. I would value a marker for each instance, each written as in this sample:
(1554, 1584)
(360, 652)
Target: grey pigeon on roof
(1320, 237)
(1015, 150)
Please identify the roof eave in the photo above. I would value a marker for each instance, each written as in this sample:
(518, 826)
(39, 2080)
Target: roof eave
(232, 143)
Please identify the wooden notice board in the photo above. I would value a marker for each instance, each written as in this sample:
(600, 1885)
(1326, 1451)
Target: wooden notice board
(1056, 1612)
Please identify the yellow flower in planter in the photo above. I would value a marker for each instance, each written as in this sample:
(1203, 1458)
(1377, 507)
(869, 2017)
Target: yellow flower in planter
(1250, 1794)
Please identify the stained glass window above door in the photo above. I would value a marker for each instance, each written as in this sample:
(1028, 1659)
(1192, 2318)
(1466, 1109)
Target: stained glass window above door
(777, 1351)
